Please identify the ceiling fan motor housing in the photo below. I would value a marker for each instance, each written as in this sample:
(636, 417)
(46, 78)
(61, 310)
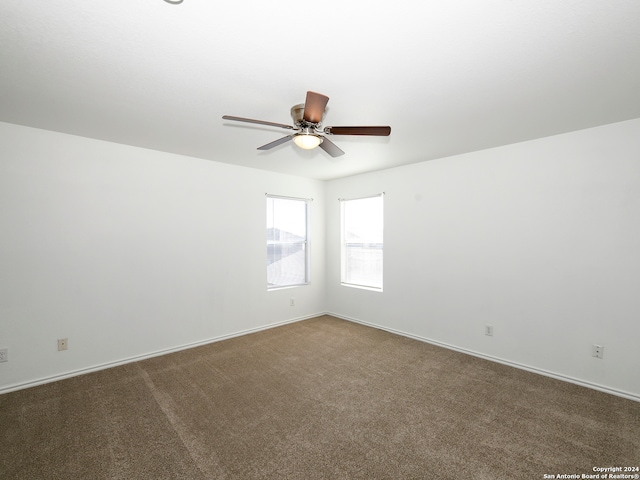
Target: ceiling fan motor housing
(306, 129)
(297, 112)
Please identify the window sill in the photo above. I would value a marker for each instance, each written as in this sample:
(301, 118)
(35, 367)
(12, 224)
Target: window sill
(286, 287)
(362, 287)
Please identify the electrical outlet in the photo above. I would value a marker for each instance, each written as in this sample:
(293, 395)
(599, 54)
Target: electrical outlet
(4, 355)
(488, 330)
(597, 351)
(63, 344)
(292, 302)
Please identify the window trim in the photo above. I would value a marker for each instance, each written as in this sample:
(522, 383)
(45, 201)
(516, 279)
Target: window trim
(343, 244)
(306, 244)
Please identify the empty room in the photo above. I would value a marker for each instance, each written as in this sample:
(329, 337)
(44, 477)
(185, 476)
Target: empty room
(340, 240)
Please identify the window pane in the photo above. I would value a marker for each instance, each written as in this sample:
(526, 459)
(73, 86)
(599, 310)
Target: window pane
(363, 220)
(287, 251)
(362, 242)
(363, 265)
(286, 218)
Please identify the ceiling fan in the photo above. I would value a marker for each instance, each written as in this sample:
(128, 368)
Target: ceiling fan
(307, 119)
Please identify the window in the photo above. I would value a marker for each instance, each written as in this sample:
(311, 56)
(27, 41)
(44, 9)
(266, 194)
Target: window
(362, 242)
(287, 241)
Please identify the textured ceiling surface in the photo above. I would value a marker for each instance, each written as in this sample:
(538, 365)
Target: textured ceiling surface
(448, 77)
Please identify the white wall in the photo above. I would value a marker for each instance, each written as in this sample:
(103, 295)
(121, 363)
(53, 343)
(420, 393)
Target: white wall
(128, 252)
(540, 239)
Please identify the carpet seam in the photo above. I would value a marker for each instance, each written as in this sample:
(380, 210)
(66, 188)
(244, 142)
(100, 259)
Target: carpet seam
(170, 416)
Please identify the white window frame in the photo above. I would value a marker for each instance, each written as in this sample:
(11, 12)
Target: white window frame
(304, 243)
(344, 245)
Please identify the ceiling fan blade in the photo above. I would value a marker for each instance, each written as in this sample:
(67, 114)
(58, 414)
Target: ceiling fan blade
(275, 143)
(330, 147)
(314, 107)
(372, 131)
(259, 122)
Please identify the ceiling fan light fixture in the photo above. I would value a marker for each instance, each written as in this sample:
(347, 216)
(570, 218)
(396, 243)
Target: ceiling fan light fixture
(307, 141)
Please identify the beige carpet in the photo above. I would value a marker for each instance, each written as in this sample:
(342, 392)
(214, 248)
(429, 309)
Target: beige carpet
(318, 399)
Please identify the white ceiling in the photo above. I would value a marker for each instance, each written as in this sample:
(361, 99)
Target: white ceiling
(448, 76)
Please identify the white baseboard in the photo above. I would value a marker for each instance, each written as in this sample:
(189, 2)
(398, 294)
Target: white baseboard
(546, 373)
(95, 368)
(137, 358)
